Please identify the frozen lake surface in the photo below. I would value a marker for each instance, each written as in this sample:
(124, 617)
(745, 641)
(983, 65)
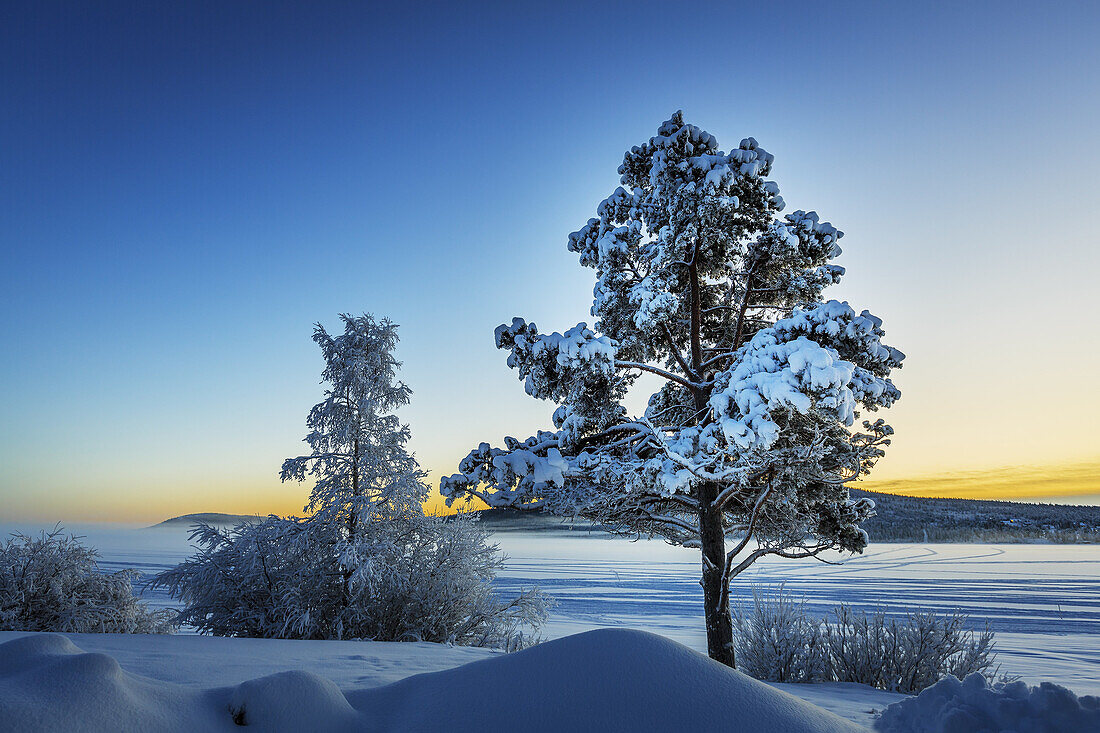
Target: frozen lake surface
(1042, 601)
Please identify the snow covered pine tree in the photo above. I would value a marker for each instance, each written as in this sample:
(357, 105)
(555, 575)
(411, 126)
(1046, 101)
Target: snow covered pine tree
(702, 283)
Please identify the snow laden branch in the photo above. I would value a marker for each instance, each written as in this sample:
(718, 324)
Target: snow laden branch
(751, 439)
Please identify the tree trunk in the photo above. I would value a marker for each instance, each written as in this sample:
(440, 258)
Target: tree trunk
(712, 538)
(715, 601)
(353, 521)
(353, 515)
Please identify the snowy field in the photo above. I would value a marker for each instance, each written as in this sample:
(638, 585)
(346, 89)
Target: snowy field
(608, 680)
(1043, 601)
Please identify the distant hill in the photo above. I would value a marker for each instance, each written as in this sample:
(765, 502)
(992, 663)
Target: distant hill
(495, 520)
(898, 519)
(215, 518)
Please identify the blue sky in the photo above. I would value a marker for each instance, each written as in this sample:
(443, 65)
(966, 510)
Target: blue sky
(185, 189)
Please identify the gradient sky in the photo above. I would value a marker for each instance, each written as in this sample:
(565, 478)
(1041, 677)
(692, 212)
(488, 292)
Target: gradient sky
(185, 188)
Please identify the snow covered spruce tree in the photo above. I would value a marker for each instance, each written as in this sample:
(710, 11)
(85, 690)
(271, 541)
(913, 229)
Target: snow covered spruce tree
(365, 474)
(702, 282)
(367, 563)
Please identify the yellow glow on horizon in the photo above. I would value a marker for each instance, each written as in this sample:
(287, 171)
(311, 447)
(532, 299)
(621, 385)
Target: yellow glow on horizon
(146, 505)
(141, 505)
(1007, 483)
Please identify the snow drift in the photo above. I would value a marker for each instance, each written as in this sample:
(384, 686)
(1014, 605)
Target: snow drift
(48, 684)
(975, 706)
(605, 680)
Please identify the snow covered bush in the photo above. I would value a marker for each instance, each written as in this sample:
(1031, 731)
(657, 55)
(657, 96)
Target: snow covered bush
(443, 591)
(426, 579)
(367, 563)
(51, 583)
(257, 579)
(750, 440)
(975, 705)
(777, 640)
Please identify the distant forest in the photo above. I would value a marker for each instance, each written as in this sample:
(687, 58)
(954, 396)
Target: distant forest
(918, 519)
(904, 519)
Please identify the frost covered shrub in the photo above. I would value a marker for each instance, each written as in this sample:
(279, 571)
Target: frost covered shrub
(245, 581)
(906, 654)
(51, 583)
(974, 705)
(441, 590)
(419, 579)
(777, 640)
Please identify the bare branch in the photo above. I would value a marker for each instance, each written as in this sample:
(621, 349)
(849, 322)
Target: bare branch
(672, 521)
(749, 531)
(801, 555)
(718, 358)
(753, 557)
(686, 501)
(744, 307)
(676, 353)
(663, 373)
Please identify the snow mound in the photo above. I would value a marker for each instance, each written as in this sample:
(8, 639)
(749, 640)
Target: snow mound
(603, 680)
(975, 706)
(291, 701)
(20, 652)
(48, 684)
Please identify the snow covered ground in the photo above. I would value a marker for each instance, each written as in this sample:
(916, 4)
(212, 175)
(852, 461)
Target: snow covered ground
(1043, 602)
(606, 680)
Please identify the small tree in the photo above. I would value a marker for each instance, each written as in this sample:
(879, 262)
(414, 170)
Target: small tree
(368, 564)
(365, 474)
(702, 283)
